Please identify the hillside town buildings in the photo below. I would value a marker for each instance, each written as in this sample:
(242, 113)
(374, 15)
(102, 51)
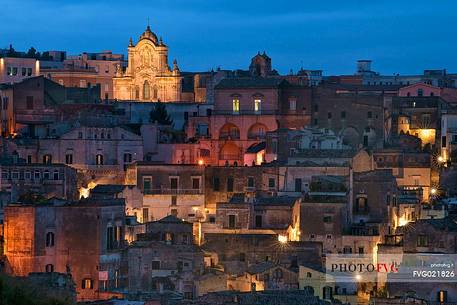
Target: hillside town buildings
(141, 182)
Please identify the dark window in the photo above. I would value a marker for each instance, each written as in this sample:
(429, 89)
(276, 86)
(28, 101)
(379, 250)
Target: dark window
(420, 92)
(370, 115)
(250, 181)
(216, 184)
(329, 115)
(50, 239)
(258, 221)
(55, 175)
(271, 182)
(242, 257)
(298, 184)
(127, 158)
(316, 108)
(49, 268)
(232, 221)
(99, 159)
(422, 240)
(174, 200)
(365, 140)
(29, 102)
(443, 141)
(230, 184)
(174, 212)
(47, 159)
(361, 250)
(147, 183)
(80, 135)
(343, 114)
(69, 159)
(174, 183)
(327, 219)
(196, 183)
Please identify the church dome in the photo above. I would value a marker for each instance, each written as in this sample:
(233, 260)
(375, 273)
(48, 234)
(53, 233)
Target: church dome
(148, 34)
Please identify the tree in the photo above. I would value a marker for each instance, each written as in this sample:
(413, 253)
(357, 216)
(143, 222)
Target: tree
(31, 53)
(160, 115)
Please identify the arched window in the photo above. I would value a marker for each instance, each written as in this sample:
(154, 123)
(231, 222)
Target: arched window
(99, 159)
(50, 239)
(154, 92)
(146, 90)
(137, 93)
(420, 92)
(49, 268)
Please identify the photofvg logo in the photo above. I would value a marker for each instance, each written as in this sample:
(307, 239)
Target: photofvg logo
(359, 268)
(391, 268)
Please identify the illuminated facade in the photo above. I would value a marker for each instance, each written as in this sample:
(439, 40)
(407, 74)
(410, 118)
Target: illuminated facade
(148, 77)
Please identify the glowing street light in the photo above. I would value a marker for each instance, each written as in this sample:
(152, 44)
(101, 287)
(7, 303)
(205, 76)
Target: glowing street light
(201, 162)
(440, 159)
(433, 191)
(282, 239)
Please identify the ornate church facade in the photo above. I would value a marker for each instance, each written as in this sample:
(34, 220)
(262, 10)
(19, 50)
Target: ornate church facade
(148, 77)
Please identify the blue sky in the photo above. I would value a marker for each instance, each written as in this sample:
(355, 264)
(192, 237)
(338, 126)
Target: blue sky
(399, 36)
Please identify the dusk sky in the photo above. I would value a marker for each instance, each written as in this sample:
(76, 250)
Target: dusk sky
(399, 36)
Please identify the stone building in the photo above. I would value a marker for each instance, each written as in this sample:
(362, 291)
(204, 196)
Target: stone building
(277, 215)
(82, 238)
(164, 258)
(236, 252)
(19, 179)
(169, 189)
(417, 115)
(148, 76)
(30, 106)
(87, 70)
(265, 276)
(16, 69)
(353, 113)
(245, 109)
(411, 169)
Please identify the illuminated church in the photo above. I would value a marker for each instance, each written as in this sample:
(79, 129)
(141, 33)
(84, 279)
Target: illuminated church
(148, 77)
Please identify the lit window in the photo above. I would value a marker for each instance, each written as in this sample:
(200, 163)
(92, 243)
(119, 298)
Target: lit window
(236, 105)
(87, 284)
(257, 105)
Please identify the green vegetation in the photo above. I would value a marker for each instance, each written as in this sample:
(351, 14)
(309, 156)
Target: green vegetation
(21, 291)
(160, 115)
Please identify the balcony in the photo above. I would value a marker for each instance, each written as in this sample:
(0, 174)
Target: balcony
(256, 135)
(230, 135)
(172, 191)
